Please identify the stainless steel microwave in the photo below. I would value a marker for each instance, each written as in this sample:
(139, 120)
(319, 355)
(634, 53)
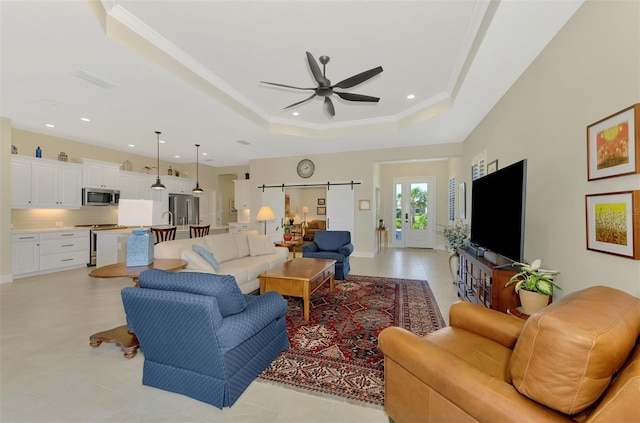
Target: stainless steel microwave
(100, 197)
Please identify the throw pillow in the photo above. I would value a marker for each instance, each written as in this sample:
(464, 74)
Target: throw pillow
(260, 245)
(223, 287)
(195, 261)
(207, 256)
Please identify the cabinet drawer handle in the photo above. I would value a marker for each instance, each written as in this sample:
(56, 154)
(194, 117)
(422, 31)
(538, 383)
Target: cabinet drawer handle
(67, 259)
(68, 234)
(68, 245)
(27, 237)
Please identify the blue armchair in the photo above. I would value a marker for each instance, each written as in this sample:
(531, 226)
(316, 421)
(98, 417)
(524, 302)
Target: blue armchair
(201, 337)
(335, 245)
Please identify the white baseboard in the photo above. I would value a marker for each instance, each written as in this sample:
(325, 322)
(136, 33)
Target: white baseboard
(6, 279)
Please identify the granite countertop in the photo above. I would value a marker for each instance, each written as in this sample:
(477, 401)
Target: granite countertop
(56, 229)
(126, 230)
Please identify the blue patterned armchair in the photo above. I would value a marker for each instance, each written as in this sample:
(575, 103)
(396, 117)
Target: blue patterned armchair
(201, 337)
(334, 245)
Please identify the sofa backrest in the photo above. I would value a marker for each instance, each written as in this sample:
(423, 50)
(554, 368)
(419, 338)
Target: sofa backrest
(317, 224)
(173, 249)
(567, 354)
(331, 240)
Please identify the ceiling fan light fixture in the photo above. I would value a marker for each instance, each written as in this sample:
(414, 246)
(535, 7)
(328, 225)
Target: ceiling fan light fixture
(158, 184)
(197, 189)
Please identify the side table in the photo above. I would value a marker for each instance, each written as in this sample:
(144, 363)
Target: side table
(122, 336)
(291, 245)
(383, 232)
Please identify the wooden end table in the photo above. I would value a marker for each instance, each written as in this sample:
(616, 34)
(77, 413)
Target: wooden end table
(288, 244)
(299, 277)
(122, 336)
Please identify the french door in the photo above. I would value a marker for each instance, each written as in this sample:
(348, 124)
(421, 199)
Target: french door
(414, 211)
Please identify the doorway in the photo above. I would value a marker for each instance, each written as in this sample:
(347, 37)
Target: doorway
(414, 211)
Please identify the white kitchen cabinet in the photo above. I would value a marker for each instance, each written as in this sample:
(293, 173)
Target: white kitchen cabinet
(242, 191)
(239, 227)
(45, 184)
(25, 253)
(135, 186)
(38, 253)
(64, 249)
(99, 174)
(20, 182)
(177, 185)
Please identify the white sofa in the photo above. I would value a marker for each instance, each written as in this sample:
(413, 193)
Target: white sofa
(244, 255)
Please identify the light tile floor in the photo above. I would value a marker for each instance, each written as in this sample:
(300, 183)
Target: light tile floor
(49, 373)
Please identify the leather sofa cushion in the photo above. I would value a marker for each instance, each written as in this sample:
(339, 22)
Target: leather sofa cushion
(566, 356)
(223, 287)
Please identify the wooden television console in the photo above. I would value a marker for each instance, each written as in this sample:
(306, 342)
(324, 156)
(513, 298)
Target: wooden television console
(482, 282)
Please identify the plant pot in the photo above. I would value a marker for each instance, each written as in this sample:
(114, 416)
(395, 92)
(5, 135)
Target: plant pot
(453, 267)
(532, 302)
(287, 238)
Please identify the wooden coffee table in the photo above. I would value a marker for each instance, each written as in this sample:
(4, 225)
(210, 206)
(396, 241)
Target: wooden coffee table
(299, 277)
(121, 335)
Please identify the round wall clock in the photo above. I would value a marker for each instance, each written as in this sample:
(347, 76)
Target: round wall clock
(306, 168)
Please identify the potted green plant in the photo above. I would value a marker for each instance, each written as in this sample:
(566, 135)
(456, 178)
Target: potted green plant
(287, 232)
(457, 236)
(534, 285)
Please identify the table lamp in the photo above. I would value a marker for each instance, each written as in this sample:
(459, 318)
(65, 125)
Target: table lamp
(264, 214)
(140, 242)
(304, 211)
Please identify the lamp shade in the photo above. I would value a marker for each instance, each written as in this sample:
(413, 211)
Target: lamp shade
(139, 212)
(305, 209)
(265, 213)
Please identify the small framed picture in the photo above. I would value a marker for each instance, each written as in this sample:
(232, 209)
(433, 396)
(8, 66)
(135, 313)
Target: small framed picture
(492, 167)
(613, 145)
(232, 207)
(613, 223)
(321, 202)
(322, 211)
(364, 205)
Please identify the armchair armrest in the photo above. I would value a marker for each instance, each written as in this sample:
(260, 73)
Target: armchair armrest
(488, 323)
(346, 249)
(310, 248)
(471, 390)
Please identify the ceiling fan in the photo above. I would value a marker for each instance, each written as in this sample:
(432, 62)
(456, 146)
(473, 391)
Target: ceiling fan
(325, 89)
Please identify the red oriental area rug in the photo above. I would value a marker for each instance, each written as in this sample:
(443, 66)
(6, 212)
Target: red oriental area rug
(336, 352)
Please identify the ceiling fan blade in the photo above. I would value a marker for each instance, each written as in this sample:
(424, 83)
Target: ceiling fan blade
(286, 86)
(300, 102)
(315, 70)
(358, 79)
(328, 107)
(357, 97)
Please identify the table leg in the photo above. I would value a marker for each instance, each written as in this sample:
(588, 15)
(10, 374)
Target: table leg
(121, 336)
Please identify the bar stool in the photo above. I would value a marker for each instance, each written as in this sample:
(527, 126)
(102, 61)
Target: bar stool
(164, 234)
(198, 231)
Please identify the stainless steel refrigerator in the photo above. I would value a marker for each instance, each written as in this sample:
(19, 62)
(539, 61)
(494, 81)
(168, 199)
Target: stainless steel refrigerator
(185, 209)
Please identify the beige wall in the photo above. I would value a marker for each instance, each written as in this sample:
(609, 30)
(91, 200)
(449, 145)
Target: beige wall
(590, 70)
(5, 203)
(359, 166)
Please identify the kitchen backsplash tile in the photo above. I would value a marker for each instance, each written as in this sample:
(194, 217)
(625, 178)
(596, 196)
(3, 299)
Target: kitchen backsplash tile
(48, 218)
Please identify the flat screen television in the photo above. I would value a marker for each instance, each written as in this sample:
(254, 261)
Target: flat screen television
(497, 211)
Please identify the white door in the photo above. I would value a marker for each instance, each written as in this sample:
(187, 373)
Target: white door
(273, 198)
(340, 208)
(414, 226)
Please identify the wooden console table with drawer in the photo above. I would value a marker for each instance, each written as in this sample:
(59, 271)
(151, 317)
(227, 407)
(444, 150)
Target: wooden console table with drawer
(482, 282)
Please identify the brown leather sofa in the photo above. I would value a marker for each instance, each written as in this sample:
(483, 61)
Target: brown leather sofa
(578, 360)
(313, 227)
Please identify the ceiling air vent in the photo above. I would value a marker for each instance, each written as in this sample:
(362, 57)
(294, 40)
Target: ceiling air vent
(94, 79)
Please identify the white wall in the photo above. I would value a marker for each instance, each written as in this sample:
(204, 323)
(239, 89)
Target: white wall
(590, 70)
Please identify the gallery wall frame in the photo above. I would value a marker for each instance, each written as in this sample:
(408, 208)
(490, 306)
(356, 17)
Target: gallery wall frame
(613, 145)
(321, 201)
(321, 210)
(613, 223)
(364, 205)
(492, 167)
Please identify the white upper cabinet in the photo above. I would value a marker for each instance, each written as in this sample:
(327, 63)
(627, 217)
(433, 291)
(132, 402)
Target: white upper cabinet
(45, 184)
(242, 191)
(99, 174)
(135, 186)
(177, 185)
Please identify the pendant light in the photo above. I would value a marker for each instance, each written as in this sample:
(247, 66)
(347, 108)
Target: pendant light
(197, 189)
(158, 184)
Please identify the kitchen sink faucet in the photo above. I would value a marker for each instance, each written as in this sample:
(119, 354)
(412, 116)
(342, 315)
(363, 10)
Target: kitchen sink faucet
(170, 217)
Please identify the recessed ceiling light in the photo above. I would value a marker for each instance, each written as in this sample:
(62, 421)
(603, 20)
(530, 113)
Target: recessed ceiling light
(161, 142)
(411, 96)
(131, 145)
(205, 154)
(295, 114)
(49, 125)
(177, 157)
(85, 119)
